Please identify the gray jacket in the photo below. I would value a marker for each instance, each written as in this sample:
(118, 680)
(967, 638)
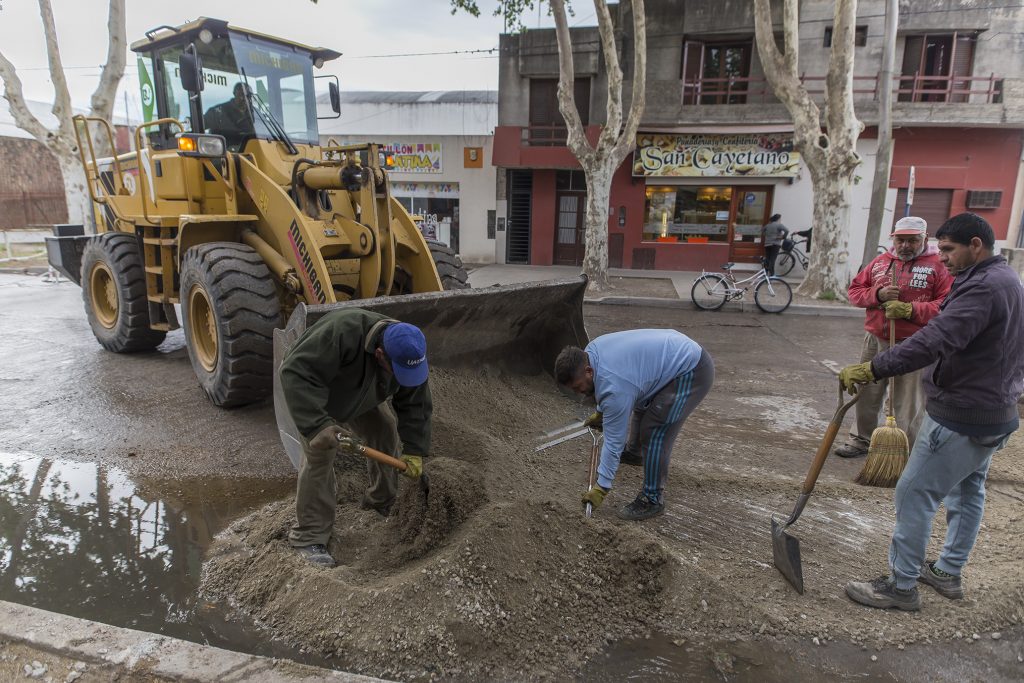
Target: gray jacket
(975, 352)
(774, 233)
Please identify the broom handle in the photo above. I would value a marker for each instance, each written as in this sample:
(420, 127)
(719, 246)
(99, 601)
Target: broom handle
(892, 380)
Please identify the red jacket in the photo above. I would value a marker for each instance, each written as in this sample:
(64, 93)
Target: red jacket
(923, 281)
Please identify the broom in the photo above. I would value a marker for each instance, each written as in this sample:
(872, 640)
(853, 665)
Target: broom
(889, 448)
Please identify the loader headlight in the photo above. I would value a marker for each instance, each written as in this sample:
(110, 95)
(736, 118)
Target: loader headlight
(193, 145)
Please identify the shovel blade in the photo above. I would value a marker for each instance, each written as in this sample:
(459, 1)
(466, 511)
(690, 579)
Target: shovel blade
(786, 551)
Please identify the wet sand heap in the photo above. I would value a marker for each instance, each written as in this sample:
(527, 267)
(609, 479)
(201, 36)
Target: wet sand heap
(497, 575)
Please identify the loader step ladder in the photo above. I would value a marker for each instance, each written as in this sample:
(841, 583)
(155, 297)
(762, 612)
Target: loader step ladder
(160, 254)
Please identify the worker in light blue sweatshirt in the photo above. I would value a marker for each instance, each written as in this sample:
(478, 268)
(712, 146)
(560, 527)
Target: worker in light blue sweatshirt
(646, 383)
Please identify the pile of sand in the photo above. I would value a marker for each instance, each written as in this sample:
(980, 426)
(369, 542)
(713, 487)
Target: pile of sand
(497, 574)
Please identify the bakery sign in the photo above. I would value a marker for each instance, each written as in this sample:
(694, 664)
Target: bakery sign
(708, 155)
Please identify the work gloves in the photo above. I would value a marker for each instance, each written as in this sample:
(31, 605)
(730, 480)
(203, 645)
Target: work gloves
(894, 310)
(595, 421)
(327, 438)
(856, 374)
(595, 496)
(413, 466)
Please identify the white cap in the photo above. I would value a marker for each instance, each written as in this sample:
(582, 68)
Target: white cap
(910, 225)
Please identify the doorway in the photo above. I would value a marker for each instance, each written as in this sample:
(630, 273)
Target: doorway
(570, 244)
(750, 208)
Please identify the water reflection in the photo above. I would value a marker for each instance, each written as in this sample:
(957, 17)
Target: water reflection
(84, 539)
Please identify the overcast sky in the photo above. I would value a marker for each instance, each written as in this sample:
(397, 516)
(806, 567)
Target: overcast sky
(357, 28)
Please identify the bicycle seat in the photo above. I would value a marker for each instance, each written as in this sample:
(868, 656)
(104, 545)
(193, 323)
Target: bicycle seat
(728, 266)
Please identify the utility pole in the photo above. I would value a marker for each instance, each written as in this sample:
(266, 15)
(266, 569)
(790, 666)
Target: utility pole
(883, 161)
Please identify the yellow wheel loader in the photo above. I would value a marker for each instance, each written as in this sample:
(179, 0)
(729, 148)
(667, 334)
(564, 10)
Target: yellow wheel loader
(229, 217)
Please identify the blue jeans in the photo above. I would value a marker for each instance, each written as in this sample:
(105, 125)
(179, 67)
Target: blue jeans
(948, 467)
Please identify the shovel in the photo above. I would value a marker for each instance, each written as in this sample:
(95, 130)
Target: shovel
(786, 548)
(385, 459)
(595, 454)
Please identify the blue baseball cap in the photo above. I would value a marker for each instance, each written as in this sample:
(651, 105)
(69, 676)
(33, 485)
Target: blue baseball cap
(407, 348)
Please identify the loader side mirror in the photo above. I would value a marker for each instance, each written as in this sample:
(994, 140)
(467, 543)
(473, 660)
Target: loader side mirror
(190, 70)
(333, 95)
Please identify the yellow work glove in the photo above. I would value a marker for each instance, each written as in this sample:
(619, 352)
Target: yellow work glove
(327, 438)
(413, 466)
(895, 310)
(595, 496)
(595, 421)
(856, 374)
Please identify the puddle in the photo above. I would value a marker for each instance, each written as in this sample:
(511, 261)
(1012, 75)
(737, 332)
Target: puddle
(660, 659)
(86, 540)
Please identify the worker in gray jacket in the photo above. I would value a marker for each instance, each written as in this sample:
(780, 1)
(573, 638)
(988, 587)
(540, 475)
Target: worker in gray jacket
(973, 380)
(774, 233)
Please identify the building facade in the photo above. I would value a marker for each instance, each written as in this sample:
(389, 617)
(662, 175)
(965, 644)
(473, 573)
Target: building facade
(714, 154)
(441, 143)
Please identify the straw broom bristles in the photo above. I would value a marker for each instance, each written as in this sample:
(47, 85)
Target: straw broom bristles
(887, 456)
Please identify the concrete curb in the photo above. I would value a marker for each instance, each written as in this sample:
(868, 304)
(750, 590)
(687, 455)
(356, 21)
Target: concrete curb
(141, 654)
(734, 307)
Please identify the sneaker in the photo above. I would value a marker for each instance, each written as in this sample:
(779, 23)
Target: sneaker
(946, 585)
(641, 508)
(631, 458)
(317, 554)
(851, 449)
(883, 593)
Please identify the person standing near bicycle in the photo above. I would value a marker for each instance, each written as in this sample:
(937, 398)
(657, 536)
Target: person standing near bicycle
(907, 284)
(774, 232)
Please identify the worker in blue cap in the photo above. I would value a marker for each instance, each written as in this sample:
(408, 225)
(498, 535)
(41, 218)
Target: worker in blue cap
(354, 377)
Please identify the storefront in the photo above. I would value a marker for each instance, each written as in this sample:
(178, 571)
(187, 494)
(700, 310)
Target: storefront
(437, 206)
(710, 190)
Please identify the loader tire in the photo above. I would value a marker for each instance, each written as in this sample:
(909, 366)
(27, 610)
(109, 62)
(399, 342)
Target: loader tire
(449, 266)
(114, 292)
(230, 308)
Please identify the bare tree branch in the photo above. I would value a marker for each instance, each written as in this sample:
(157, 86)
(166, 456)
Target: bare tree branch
(61, 95)
(840, 119)
(577, 141)
(638, 99)
(613, 107)
(15, 97)
(102, 103)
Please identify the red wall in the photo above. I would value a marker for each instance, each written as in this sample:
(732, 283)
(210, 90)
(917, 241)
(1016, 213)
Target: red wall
(542, 218)
(961, 159)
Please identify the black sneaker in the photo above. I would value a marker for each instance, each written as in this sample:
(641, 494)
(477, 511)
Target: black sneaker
(946, 585)
(883, 593)
(851, 449)
(631, 458)
(641, 508)
(317, 554)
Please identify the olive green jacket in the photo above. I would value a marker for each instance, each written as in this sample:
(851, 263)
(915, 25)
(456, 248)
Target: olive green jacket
(331, 376)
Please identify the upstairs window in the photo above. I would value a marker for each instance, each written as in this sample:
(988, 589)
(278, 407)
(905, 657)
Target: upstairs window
(860, 36)
(937, 67)
(716, 73)
(547, 127)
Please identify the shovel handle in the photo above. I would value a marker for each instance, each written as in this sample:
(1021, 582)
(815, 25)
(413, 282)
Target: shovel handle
(382, 458)
(827, 441)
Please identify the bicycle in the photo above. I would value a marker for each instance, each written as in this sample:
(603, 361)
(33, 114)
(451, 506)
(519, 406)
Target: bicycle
(771, 294)
(791, 254)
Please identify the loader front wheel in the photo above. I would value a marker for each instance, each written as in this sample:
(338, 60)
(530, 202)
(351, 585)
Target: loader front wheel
(230, 307)
(114, 292)
(449, 266)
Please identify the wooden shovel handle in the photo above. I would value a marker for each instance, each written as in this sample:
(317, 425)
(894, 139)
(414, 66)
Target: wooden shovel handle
(827, 441)
(382, 458)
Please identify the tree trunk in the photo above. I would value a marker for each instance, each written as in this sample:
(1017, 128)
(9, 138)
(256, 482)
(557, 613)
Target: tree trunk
(76, 192)
(595, 262)
(883, 160)
(828, 273)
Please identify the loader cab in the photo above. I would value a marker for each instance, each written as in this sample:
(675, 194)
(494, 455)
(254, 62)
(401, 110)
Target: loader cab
(218, 79)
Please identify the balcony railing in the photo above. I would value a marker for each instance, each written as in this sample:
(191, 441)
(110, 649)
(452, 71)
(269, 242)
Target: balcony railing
(907, 88)
(545, 136)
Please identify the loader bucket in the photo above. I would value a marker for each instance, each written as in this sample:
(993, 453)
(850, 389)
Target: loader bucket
(518, 328)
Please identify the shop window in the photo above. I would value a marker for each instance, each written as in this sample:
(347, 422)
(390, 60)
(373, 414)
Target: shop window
(687, 214)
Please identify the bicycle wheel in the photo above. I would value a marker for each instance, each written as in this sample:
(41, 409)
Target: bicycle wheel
(709, 292)
(773, 295)
(784, 263)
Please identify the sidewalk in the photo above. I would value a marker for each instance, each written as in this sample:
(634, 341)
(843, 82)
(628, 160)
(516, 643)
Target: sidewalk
(665, 288)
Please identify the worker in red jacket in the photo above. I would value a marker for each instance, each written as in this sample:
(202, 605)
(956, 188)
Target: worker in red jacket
(906, 284)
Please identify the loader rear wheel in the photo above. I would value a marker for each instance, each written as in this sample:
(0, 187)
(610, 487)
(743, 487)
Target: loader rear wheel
(114, 292)
(230, 307)
(449, 266)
